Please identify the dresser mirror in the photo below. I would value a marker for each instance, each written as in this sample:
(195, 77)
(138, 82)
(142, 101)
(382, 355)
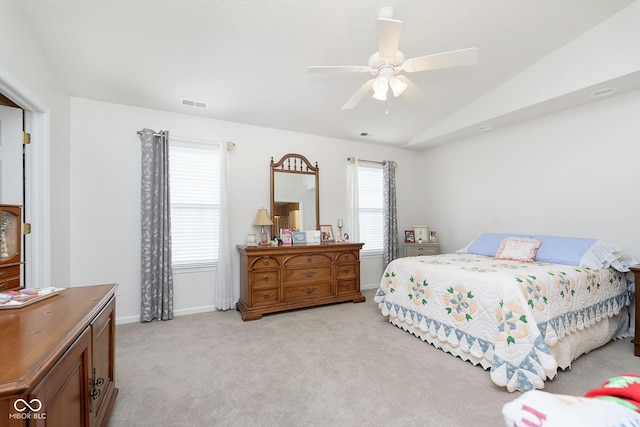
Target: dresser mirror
(295, 199)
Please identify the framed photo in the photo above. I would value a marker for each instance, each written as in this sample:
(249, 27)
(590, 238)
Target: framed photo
(312, 236)
(299, 237)
(433, 237)
(327, 233)
(286, 236)
(409, 236)
(421, 233)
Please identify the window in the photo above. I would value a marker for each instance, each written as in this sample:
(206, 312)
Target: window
(195, 202)
(370, 195)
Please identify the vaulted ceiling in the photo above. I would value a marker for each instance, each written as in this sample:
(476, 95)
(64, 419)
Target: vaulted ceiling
(247, 60)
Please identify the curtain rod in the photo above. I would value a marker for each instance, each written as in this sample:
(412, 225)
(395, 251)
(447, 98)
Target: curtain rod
(155, 134)
(230, 145)
(353, 159)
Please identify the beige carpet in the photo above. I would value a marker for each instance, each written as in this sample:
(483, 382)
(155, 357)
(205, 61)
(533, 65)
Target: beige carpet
(338, 365)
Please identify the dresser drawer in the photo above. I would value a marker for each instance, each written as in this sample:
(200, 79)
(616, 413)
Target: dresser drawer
(298, 292)
(9, 272)
(300, 260)
(265, 279)
(347, 257)
(262, 297)
(265, 262)
(347, 286)
(418, 250)
(307, 275)
(9, 277)
(345, 270)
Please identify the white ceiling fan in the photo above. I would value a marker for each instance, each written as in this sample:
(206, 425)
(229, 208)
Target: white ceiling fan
(388, 62)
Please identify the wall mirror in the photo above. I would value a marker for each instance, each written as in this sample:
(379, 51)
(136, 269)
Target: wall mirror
(295, 198)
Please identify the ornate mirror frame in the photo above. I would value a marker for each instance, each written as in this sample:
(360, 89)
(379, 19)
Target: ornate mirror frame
(294, 164)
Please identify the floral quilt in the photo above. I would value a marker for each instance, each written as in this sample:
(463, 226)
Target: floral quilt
(508, 313)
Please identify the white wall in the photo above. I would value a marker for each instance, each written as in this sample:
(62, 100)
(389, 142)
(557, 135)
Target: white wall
(574, 173)
(105, 194)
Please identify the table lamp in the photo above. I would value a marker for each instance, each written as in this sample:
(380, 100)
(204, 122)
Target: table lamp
(262, 219)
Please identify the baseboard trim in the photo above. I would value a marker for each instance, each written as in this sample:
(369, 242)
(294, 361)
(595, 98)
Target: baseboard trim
(181, 312)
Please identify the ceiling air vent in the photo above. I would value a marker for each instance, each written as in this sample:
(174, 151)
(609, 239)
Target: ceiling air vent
(192, 103)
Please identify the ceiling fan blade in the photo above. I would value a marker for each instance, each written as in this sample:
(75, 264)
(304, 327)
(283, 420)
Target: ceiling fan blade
(454, 58)
(338, 69)
(388, 36)
(413, 93)
(364, 90)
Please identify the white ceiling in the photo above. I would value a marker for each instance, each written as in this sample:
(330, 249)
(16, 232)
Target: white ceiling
(247, 59)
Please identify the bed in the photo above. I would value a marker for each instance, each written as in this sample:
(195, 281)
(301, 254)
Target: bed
(520, 306)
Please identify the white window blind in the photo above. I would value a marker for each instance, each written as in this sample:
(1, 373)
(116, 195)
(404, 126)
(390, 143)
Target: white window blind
(194, 175)
(370, 194)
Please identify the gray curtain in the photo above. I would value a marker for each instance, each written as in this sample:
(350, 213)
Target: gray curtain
(389, 214)
(157, 275)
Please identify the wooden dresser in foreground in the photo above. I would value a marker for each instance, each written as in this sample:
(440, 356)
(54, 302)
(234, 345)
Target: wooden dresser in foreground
(278, 278)
(636, 338)
(57, 360)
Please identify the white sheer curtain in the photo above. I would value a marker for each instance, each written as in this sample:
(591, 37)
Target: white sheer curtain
(353, 221)
(225, 295)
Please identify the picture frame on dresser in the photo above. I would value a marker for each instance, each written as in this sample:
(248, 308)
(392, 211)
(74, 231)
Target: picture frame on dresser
(299, 237)
(327, 233)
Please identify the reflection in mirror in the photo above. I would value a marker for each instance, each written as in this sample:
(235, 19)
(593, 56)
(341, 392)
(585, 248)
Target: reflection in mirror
(294, 194)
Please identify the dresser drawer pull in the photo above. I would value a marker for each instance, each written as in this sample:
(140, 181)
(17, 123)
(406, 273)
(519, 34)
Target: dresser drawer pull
(347, 286)
(346, 270)
(266, 295)
(309, 273)
(2, 273)
(310, 290)
(265, 278)
(421, 249)
(309, 259)
(266, 262)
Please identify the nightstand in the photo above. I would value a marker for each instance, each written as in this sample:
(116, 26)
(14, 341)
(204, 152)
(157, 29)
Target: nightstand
(636, 339)
(418, 249)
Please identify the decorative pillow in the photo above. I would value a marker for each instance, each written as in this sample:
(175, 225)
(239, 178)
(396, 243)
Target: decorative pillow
(487, 243)
(518, 249)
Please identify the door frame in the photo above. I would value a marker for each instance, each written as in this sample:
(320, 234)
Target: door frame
(37, 201)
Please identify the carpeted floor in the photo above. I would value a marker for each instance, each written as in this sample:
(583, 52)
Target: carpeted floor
(337, 365)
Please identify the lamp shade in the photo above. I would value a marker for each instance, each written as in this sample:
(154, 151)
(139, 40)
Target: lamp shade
(262, 218)
(397, 86)
(380, 88)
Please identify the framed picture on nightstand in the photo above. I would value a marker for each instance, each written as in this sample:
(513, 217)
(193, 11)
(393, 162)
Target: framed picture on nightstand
(409, 236)
(421, 233)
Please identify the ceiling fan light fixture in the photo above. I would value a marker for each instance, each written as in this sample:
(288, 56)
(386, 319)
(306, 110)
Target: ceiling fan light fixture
(380, 89)
(397, 86)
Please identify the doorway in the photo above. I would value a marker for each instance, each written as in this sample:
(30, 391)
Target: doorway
(12, 163)
(35, 169)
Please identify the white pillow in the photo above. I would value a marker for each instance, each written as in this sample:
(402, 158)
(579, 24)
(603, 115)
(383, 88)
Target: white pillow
(518, 249)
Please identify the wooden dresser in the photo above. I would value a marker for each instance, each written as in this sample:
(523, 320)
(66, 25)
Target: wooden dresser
(278, 278)
(58, 360)
(636, 339)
